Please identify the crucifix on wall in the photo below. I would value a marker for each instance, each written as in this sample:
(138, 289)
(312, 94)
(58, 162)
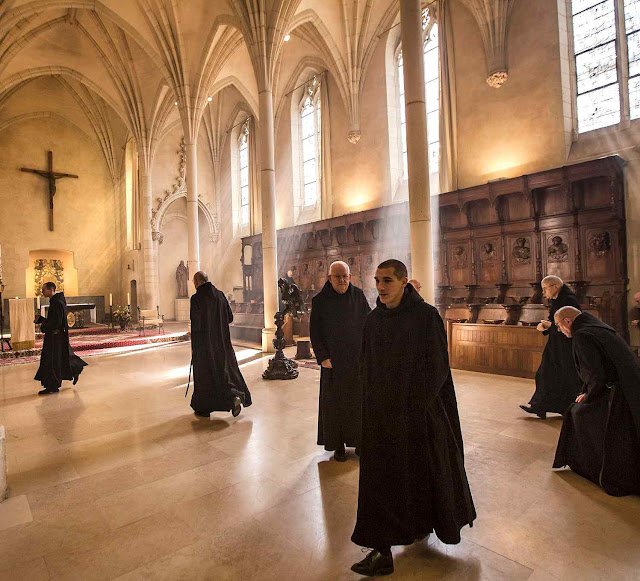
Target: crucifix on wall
(51, 177)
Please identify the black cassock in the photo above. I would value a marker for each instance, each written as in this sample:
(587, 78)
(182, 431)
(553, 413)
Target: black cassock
(216, 375)
(600, 437)
(57, 361)
(557, 383)
(336, 333)
(412, 475)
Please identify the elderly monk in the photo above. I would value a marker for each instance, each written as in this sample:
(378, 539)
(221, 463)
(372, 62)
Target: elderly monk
(57, 360)
(412, 475)
(557, 383)
(416, 285)
(218, 385)
(338, 313)
(636, 310)
(600, 437)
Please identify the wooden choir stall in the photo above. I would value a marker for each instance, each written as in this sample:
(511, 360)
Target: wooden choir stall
(496, 242)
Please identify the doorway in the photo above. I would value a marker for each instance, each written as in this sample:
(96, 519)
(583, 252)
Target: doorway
(134, 301)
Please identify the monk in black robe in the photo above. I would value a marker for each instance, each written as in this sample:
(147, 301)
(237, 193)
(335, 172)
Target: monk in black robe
(412, 475)
(57, 360)
(557, 383)
(600, 437)
(218, 385)
(338, 314)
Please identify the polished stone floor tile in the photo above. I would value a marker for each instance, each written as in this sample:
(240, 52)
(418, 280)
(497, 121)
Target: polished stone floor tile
(119, 480)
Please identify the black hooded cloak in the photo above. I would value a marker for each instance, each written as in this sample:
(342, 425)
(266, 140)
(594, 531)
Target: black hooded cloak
(600, 437)
(557, 382)
(412, 475)
(336, 327)
(216, 375)
(57, 361)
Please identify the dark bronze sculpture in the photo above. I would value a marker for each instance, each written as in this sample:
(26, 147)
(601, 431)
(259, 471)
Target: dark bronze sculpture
(281, 367)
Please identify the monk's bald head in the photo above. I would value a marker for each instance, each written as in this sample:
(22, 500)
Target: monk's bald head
(339, 276)
(636, 298)
(199, 278)
(564, 318)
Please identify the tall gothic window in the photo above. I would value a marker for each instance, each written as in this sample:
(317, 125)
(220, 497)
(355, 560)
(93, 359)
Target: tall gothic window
(243, 150)
(432, 92)
(310, 126)
(606, 46)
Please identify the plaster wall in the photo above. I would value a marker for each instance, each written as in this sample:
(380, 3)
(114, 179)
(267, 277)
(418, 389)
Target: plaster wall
(86, 215)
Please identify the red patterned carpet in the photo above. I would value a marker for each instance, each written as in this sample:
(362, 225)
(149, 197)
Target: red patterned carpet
(96, 340)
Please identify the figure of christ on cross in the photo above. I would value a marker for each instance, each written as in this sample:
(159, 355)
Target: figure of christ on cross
(51, 177)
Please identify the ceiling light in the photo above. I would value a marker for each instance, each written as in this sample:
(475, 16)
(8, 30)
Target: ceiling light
(287, 38)
(176, 103)
(209, 98)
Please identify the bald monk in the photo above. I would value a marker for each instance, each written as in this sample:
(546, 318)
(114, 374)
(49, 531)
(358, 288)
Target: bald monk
(218, 385)
(636, 299)
(600, 437)
(338, 313)
(416, 285)
(557, 383)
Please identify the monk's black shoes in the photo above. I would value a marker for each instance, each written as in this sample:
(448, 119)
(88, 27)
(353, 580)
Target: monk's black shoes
(201, 414)
(340, 455)
(48, 391)
(530, 410)
(237, 407)
(374, 564)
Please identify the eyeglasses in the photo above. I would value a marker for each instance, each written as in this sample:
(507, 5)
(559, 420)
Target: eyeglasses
(340, 276)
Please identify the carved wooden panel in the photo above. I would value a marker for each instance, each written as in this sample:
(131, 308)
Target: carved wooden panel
(521, 257)
(601, 252)
(558, 254)
(503, 349)
(459, 258)
(489, 261)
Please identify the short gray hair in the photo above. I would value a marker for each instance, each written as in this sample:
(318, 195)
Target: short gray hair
(552, 280)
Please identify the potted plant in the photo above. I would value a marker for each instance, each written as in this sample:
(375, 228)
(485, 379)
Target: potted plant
(122, 316)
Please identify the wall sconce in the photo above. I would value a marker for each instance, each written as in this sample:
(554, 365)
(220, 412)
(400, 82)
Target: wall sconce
(131, 266)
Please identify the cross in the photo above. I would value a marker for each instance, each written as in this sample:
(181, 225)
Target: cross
(51, 177)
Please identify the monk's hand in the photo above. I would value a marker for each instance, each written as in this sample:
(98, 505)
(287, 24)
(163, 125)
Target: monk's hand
(634, 322)
(543, 325)
(581, 397)
(327, 364)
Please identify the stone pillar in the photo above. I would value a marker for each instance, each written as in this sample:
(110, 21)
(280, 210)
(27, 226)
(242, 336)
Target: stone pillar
(151, 298)
(192, 212)
(417, 154)
(269, 235)
(3, 466)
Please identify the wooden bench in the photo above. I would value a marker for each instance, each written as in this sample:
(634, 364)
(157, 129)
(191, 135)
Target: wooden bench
(150, 318)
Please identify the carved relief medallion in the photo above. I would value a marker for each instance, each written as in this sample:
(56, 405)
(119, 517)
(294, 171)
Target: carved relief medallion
(599, 244)
(558, 251)
(521, 251)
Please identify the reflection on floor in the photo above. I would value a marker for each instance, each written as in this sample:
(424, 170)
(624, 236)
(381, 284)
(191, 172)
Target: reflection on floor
(116, 479)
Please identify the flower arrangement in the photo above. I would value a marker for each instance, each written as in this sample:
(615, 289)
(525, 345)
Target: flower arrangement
(122, 316)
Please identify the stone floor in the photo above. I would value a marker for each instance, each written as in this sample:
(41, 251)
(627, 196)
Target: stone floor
(116, 479)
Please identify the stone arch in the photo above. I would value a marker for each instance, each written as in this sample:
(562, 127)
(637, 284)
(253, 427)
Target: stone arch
(159, 216)
(232, 80)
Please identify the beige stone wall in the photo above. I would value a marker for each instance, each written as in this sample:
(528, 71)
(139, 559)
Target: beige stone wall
(86, 217)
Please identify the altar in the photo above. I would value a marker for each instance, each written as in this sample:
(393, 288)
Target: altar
(77, 314)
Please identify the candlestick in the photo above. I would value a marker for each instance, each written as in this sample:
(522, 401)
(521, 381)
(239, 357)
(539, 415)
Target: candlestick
(110, 300)
(128, 299)
(38, 302)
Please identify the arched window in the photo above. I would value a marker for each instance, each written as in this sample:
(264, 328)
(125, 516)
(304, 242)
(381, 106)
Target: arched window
(310, 135)
(245, 193)
(432, 91)
(606, 50)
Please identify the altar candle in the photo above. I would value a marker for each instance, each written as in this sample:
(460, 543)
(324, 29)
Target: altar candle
(38, 302)
(110, 300)
(128, 299)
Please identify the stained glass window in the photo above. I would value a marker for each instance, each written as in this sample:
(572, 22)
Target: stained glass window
(432, 92)
(243, 149)
(632, 26)
(310, 126)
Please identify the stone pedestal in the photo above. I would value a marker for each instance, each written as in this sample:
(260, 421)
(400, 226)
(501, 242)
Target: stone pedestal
(181, 309)
(3, 466)
(23, 331)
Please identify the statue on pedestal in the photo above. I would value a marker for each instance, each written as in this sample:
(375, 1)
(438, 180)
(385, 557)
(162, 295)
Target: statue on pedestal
(182, 279)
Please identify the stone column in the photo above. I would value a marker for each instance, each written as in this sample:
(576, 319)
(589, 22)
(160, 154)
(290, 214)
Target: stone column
(3, 466)
(151, 298)
(269, 235)
(192, 212)
(417, 155)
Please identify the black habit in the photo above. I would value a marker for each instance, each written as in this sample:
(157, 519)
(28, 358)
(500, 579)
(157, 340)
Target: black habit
(600, 437)
(557, 383)
(57, 361)
(336, 327)
(412, 475)
(216, 376)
